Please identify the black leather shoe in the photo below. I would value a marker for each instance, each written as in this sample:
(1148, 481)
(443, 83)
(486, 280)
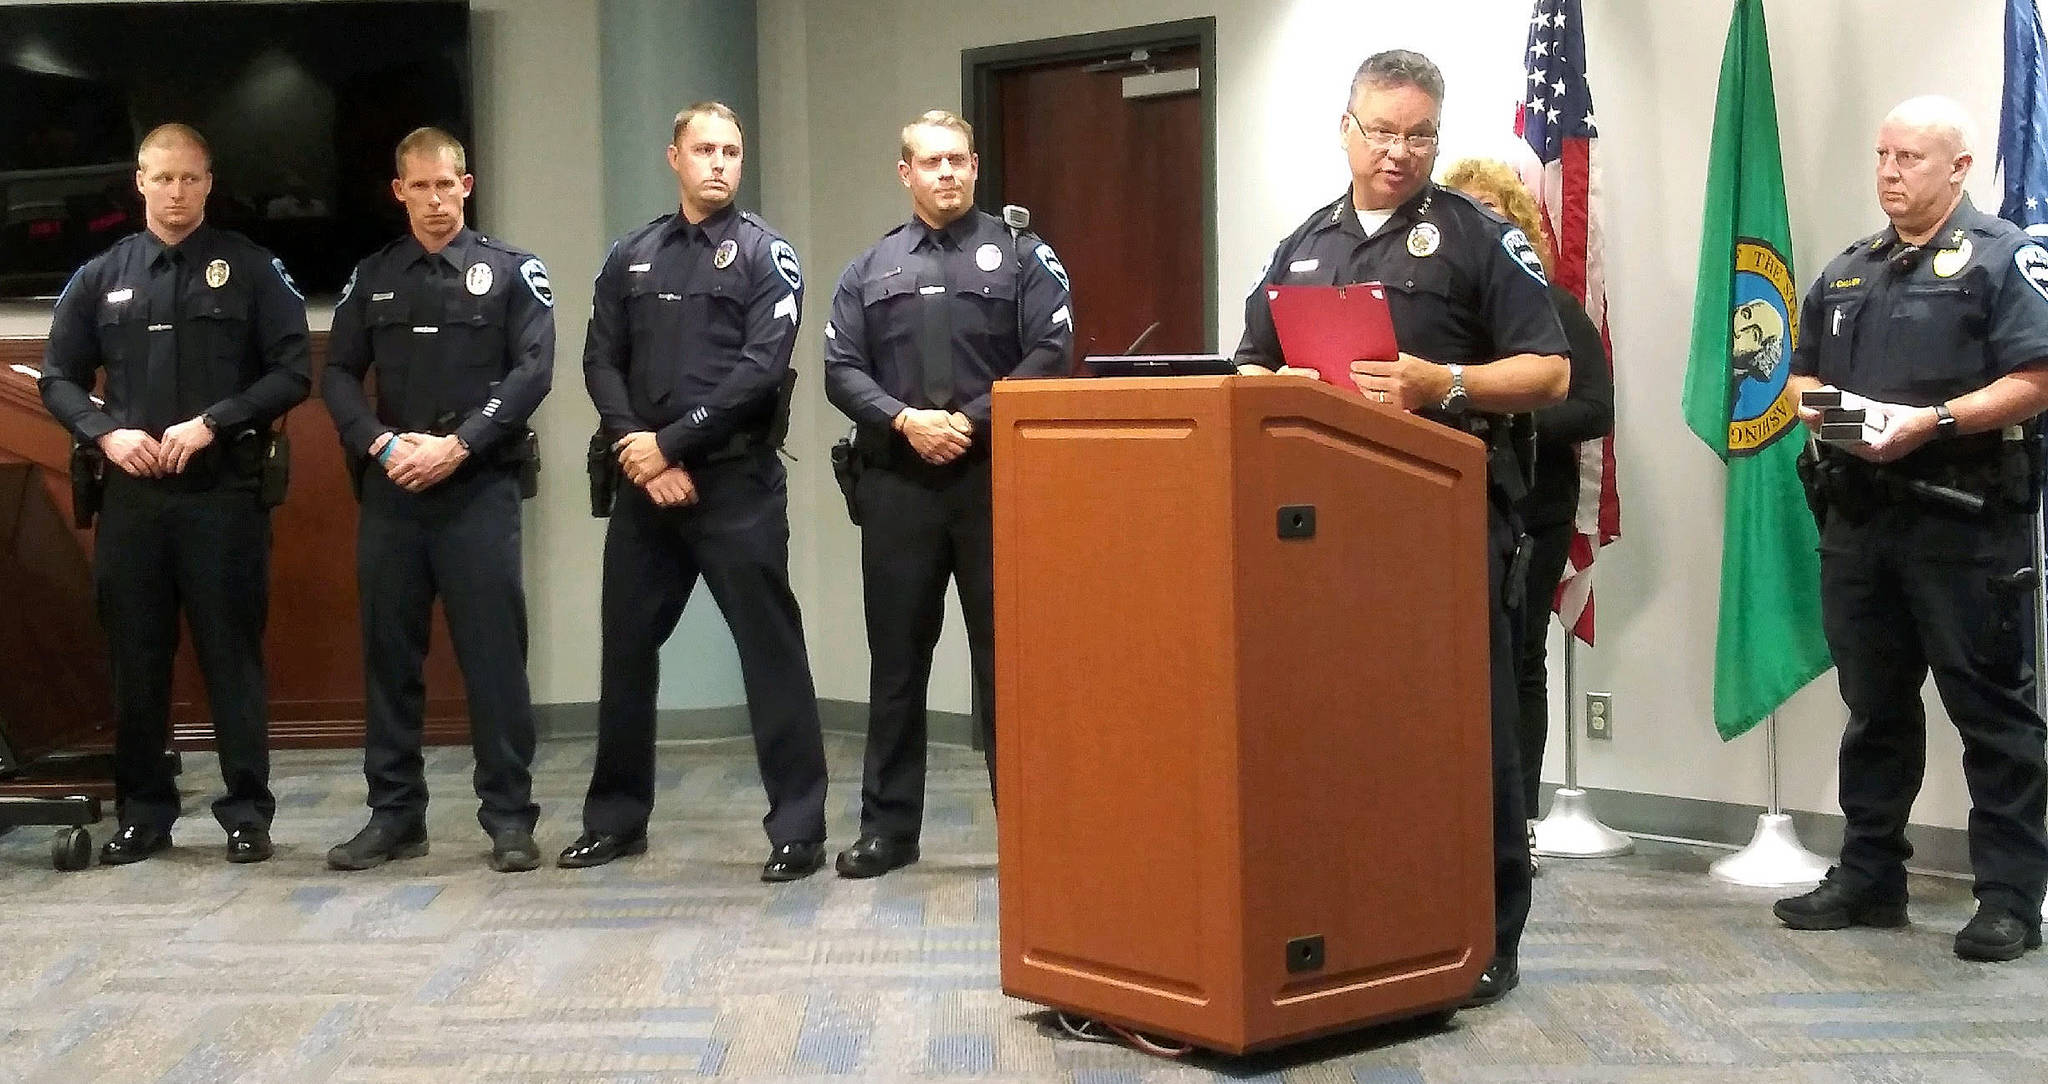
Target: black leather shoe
(133, 843)
(377, 844)
(249, 843)
(1500, 976)
(597, 848)
(794, 861)
(1996, 934)
(872, 856)
(1835, 906)
(514, 851)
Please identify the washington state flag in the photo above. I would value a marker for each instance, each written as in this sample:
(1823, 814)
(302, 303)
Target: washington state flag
(1745, 319)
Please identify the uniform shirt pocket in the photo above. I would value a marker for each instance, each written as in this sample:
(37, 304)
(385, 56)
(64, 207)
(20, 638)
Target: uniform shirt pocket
(985, 315)
(1937, 333)
(1837, 332)
(717, 314)
(890, 302)
(222, 318)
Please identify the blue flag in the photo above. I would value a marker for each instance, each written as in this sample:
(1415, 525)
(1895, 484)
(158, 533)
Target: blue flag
(2023, 120)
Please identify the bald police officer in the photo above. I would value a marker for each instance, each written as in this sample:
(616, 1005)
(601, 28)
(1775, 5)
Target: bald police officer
(687, 360)
(203, 339)
(461, 330)
(1927, 560)
(1479, 340)
(922, 325)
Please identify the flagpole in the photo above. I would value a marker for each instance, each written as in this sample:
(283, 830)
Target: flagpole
(1774, 858)
(1571, 830)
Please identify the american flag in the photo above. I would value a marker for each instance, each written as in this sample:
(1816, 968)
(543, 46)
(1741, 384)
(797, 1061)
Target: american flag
(1555, 118)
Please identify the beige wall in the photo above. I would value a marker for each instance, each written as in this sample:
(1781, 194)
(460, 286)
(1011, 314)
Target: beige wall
(840, 75)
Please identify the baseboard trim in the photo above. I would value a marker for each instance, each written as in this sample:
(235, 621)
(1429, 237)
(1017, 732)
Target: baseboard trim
(1943, 851)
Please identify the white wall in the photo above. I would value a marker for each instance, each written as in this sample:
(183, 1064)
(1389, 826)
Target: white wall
(838, 77)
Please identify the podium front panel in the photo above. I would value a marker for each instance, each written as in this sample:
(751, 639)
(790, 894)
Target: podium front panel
(1115, 727)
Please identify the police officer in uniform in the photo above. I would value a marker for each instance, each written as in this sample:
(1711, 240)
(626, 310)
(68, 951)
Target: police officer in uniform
(1927, 559)
(687, 358)
(203, 339)
(922, 324)
(461, 331)
(1479, 340)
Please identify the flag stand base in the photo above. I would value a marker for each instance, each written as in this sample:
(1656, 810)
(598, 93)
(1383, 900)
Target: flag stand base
(1774, 858)
(1572, 831)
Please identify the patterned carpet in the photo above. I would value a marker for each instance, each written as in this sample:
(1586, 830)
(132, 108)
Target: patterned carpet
(681, 964)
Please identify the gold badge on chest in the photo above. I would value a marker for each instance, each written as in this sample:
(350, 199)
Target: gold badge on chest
(1949, 261)
(1424, 239)
(217, 274)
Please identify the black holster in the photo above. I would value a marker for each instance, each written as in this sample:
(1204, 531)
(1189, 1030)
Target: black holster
(88, 483)
(274, 472)
(846, 468)
(605, 474)
(521, 455)
(1808, 466)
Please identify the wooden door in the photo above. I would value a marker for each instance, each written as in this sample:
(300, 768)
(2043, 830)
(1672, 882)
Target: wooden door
(1116, 185)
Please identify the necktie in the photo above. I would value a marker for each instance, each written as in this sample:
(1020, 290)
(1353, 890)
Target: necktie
(935, 328)
(429, 360)
(159, 407)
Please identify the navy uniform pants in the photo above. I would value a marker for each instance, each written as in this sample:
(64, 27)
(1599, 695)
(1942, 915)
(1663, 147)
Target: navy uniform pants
(1913, 589)
(921, 525)
(1549, 546)
(172, 546)
(736, 538)
(458, 541)
(1511, 878)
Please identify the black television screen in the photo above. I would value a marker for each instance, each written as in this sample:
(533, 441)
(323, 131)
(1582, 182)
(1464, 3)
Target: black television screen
(301, 102)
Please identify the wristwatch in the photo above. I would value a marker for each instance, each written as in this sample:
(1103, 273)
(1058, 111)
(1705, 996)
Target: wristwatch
(1454, 399)
(1944, 422)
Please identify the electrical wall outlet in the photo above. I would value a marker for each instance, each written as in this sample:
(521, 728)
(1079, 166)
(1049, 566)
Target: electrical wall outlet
(1600, 716)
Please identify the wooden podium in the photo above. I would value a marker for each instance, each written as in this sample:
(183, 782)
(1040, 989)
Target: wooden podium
(1242, 706)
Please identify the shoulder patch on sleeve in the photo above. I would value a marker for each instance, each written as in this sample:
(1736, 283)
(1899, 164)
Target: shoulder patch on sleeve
(535, 275)
(786, 265)
(348, 288)
(2032, 261)
(1517, 245)
(1052, 264)
(277, 264)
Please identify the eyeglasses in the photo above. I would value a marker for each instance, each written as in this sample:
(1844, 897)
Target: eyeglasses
(1380, 139)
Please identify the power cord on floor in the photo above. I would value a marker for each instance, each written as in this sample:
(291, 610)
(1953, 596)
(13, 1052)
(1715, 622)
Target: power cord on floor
(1098, 1031)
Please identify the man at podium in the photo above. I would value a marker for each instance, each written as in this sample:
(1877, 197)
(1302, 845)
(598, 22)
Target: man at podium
(1478, 339)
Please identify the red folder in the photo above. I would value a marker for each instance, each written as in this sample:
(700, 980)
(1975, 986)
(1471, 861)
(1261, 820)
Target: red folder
(1326, 328)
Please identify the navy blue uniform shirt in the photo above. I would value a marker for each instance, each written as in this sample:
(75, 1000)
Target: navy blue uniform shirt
(691, 330)
(874, 366)
(1920, 326)
(212, 325)
(463, 341)
(1463, 285)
